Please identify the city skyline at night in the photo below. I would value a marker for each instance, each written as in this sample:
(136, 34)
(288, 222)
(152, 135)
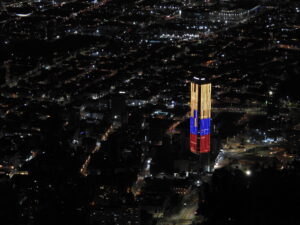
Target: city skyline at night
(149, 112)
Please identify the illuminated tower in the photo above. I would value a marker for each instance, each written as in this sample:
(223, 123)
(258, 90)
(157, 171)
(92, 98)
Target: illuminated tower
(200, 116)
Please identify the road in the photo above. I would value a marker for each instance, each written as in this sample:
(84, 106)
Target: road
(145, 172)
(172, 129)
(103, 137)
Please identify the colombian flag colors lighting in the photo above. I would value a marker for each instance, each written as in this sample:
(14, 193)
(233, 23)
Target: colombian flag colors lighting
(200, 117)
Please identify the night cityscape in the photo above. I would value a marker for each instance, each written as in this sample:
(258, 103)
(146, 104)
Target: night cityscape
(149, 112)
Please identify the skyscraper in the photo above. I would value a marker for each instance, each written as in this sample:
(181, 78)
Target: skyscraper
(200, 116)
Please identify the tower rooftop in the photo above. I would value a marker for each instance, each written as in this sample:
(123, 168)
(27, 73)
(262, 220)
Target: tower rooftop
(200, 80)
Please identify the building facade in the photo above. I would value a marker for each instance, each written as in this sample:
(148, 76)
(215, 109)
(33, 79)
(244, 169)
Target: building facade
(200, 117)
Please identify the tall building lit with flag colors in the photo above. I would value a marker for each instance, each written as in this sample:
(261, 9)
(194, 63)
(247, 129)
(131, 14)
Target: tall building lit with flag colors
(200, 117)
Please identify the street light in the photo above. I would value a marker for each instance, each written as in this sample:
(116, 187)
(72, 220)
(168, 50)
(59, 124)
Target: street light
(248, 172)
(270, 93)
